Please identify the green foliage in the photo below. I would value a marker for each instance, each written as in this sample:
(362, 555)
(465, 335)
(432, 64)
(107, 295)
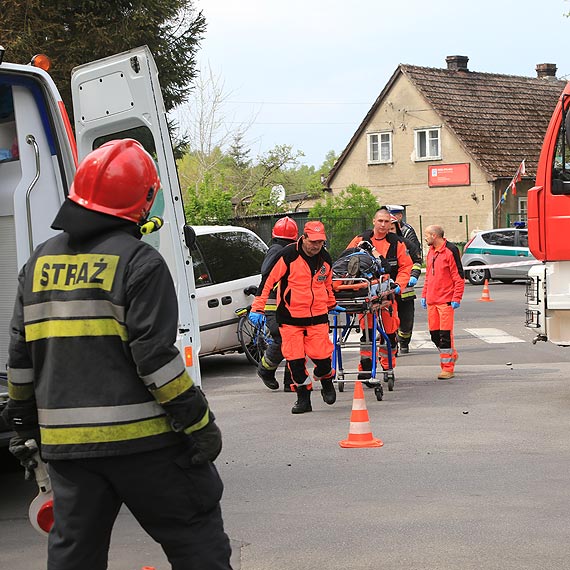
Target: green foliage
(207, 204)
(345, 215)
(73, 32)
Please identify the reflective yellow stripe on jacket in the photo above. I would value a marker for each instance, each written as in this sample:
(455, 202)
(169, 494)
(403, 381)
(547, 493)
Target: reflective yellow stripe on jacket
(20, 383)
(74, 318)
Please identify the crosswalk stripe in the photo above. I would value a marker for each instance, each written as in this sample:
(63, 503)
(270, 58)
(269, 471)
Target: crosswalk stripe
(494, 336)
(422, 339)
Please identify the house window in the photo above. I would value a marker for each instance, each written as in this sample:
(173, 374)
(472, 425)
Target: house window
(379, 147)
(428, 146)
(523, 209)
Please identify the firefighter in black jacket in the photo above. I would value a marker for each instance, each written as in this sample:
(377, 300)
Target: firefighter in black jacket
(285, 231)
(94, 375)
(408, 295)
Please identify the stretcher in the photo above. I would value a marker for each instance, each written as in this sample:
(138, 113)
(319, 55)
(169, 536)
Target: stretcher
(362, 299)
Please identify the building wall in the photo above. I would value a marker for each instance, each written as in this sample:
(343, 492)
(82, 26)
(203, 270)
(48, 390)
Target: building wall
(405, 181)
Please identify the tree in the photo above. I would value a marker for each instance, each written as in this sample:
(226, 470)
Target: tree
(345, 215)
(73, 32)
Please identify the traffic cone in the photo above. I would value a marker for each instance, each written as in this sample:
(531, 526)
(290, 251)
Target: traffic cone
(486, 297)
(359, 433)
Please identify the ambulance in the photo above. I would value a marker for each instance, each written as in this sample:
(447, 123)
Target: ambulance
(116, 97)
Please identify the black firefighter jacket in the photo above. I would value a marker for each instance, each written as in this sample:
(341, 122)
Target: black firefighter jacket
(92, 355)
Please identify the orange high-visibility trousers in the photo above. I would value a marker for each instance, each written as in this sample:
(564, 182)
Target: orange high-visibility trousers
(312, 341)
(440, 324)
(390, 323)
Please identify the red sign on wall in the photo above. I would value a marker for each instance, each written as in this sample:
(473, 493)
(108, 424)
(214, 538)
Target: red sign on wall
(449, 175)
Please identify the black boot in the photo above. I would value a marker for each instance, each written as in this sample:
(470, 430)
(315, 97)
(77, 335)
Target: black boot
(365, 367)
(303, 403)
(268, 377)
(328, 392)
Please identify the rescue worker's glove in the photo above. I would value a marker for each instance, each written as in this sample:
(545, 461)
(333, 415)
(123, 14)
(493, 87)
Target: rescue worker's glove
(256, 319)
(208, 443)
(423, 303)
(337, 309)
(412, 282)
(455, 305)
(24, 454)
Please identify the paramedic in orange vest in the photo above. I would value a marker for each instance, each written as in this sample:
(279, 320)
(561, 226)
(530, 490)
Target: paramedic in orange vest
(442, 293)
(304, 275)
(388, 245)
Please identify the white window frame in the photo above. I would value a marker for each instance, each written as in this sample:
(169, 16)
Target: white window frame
(379, 135)
(523, 208)
(427, 131)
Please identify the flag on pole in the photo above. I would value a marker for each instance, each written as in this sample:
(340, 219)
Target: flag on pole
(521, 171)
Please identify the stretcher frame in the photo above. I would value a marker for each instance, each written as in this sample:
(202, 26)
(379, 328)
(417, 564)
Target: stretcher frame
(367, 298)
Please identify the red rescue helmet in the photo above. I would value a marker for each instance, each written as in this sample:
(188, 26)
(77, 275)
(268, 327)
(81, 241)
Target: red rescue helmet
(285, 228)
(119, 178)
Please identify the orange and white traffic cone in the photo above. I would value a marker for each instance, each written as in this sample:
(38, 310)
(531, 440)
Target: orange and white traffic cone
(486, 297)
(359, 433)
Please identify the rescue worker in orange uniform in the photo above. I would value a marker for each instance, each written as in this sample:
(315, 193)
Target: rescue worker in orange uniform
(304, 275)
(284, 233)
(390, 247)
(441, 296)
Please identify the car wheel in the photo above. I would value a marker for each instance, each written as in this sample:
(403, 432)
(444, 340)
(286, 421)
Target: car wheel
(477, 276)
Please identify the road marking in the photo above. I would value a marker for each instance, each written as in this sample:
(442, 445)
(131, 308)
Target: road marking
(493, 336)
(422, 339)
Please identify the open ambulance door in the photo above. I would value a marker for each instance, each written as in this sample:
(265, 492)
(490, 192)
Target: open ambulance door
(120, 97)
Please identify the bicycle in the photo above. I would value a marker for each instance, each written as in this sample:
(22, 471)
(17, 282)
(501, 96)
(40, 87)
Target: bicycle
(253, 339)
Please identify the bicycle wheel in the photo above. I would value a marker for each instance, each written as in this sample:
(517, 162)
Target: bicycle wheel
(253, 340)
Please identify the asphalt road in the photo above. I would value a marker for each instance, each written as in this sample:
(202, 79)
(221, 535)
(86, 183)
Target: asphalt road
(473, 474)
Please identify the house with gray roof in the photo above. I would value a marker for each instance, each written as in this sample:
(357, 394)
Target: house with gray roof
(446, 143)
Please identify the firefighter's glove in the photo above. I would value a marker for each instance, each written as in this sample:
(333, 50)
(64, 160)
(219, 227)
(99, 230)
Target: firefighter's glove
(423, 303)
(256, 319)
(208, 443)
(455, 305)
(412, 282)
(366, 246)
(394, 287)
(337, 309)
(24, 454)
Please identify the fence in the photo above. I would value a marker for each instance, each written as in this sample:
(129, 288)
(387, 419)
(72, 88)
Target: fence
(340, 231)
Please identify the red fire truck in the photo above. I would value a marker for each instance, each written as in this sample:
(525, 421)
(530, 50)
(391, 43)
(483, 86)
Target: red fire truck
(548, 289)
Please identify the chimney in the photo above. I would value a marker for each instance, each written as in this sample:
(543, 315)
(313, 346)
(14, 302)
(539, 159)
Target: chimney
(546, 70)
(457, 62)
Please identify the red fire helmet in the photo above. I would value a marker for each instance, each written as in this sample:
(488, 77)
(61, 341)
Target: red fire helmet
(118, 178)
(285, 228)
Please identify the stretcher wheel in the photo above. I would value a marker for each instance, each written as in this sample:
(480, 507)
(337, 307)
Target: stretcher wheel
(341, 386)
(379, 392)
(390, 378)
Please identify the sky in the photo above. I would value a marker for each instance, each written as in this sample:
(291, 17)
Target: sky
(305, 72)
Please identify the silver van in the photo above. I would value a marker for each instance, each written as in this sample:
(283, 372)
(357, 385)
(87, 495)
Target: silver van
(227, 262)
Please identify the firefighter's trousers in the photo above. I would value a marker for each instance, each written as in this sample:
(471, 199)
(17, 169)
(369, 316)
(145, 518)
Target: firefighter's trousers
(440, 324)
(406, 310)
(177, 503)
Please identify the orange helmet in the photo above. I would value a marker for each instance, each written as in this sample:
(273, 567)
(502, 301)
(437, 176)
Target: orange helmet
(285, 228)
(118, 178)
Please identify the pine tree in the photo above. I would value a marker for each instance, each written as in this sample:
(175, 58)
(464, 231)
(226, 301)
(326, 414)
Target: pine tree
(73, 32)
